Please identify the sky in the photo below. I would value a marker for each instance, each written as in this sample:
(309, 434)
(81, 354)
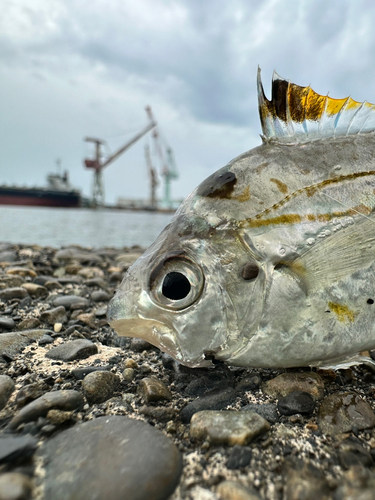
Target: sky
(71, 69)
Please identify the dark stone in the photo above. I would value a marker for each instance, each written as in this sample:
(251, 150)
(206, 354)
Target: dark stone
(249, 383)
(168, 361)
(60, 400)
(12, 343)
(218, 399)
(45, 340)
(158, 413)
(266, 410)
(99, 282)
(29, 393)
(6, 389)
(42, 279)
(71, 302)
(73, 350)
(6, 323)
(351, 452)
(100, 296)
(13, 293)
(17, 449)
(111, 457)
(52, 316)
(296, 402)
(220, 377)
(140, 345)
(249, 271)
(80, 373)
(240, 456)
(99, 386)
(28, 324)
(115, 360)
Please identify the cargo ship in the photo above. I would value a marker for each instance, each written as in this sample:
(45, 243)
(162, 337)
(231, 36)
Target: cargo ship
(57, 193)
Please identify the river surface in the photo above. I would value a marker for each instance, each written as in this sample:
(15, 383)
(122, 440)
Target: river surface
(58, 227)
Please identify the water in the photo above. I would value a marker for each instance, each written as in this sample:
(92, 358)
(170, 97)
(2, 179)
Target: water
(58, 227)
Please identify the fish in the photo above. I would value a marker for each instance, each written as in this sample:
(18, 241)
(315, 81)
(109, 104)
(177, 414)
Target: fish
(270, 262)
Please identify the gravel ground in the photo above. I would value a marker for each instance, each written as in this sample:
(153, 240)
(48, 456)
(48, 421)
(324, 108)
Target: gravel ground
(86, 414)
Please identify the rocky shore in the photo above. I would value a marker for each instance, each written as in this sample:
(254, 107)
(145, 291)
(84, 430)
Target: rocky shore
(85, 414)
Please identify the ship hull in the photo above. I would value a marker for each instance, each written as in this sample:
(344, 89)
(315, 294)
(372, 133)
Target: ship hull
(39, 197)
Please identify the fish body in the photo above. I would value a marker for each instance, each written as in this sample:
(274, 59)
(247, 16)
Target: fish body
(270, 261)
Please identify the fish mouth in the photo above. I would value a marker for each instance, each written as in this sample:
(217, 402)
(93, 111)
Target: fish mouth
(154, 332)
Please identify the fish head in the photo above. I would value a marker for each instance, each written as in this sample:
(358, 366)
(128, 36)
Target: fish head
(175, 296)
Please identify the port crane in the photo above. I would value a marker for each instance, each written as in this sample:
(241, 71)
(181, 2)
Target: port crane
(98, 165)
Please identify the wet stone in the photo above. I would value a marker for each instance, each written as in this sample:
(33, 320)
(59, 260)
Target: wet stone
(113, 458)
(153, 390)
(6, 323)
(240, 456)
(15, 486)
(17, 449)
(232, 490)
(71, 302)
(36, 291)
(13, 293)
(227, 427)
(100, 296)
(351, 452)
(73, 350)
(218, 399)
(99, 386)
(296, 402)
(29, 393)
(6, 389)
(61, 400)
(339, 413)
(285, 383)
(266, 410)
(55, 315)
(80, 373)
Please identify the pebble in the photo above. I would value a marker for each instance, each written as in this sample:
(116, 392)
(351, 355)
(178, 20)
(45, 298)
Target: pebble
(285, 383)
(99, 282)
(113, 458)
(17, 449)
(128, 374)
(339, 413)
(249, 383)
(240, 456)
(59, 417)
(16, 292)
(29, 393)
(28, 323)
(6, 323)
(214, 379)
(296, 402)
(8, 256)
(6, 389)
(52, 316)
(80, 373)
(88, 318)
(45, 340)
(81, 256)
(37, 291)
(265, 410)
(21, 271)
(153, 390)
(12, 343)
(73, 350)
(100, 296)
(227, 427)
(71, 302)
(232, 490)
(60, 400)
(161, 413)
(15, 486)
(99, 386)
(57, 327)
(140, 345)
(10, 281)
(214, 400)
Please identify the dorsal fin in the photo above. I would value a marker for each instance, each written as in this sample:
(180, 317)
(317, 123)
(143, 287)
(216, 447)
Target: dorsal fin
(298, 114)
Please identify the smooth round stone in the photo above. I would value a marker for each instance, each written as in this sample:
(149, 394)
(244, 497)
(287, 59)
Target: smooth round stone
(296, 402)
(227, 427)
(15, 486)
(113, 458)
(100, 296)
(16, 292)
(21, 271)
(82, 256)
(231, 490)
(285, 383)
(73, 350)
(80, 373)
(6, 323)
(36, 291)
(99, 386)
(153, 390)
(340, 413)
(55, 315)
(128, 374)
(6, 388)
(71, 302)
(45, 340)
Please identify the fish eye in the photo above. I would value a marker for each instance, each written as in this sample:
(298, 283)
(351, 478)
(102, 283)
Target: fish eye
(176, 282)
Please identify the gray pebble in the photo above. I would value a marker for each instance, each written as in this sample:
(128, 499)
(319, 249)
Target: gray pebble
(99, 386)
(45, 340)
(113, 458)
(55, 315)
(13, 293)
(100, 296)
(28, 324)
(80, 373)
(296, 402)
(71, 302)
(73, 350)
(214, 400)
(6, 389)
(266, 410)
(12, 343)
(60, 400)
(6, 323)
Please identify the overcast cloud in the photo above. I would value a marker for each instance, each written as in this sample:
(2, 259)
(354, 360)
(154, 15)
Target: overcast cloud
(72, 68)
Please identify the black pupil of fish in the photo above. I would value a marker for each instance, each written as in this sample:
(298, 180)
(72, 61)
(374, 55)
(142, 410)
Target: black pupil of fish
(176, 286)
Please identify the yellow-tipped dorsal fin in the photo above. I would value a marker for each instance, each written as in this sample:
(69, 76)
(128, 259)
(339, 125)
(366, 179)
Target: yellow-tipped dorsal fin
(298, 114)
